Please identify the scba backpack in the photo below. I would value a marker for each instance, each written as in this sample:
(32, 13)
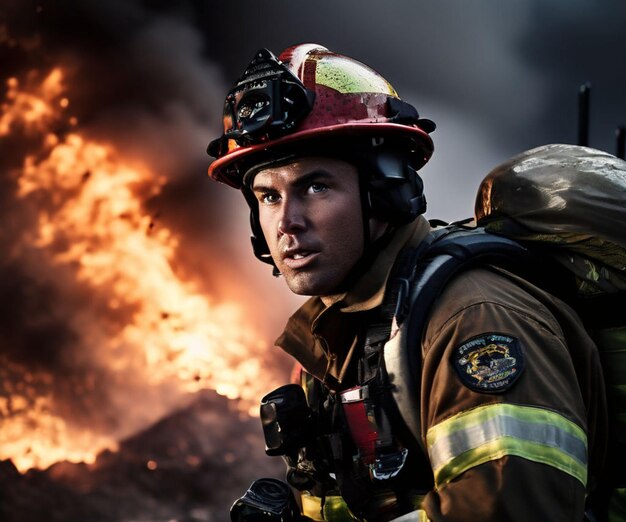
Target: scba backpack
(557, 215)
(569, 203)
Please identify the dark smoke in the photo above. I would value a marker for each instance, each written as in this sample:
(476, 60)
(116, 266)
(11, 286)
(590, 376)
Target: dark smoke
(137, 79)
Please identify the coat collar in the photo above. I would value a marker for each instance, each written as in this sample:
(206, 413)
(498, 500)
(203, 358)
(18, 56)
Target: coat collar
(323, 335)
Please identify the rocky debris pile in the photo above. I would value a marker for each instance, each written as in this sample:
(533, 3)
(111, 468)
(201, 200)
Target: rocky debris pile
(188, 467)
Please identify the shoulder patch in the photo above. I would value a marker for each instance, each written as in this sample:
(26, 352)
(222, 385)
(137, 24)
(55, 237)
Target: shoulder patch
(489, 363)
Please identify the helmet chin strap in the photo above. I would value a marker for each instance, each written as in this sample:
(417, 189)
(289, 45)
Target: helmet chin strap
(370, 253)
(366, 213)
(371, 247)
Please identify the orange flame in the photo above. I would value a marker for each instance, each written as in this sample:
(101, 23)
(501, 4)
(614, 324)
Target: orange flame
(33, 436)
(33, 109)
(91, 223)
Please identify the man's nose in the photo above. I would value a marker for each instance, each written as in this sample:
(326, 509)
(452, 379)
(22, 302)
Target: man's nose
(292, 218)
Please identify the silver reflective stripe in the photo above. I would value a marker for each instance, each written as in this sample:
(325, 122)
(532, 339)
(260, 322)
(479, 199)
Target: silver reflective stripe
(355, 394)
(449, 446)
(419, 515)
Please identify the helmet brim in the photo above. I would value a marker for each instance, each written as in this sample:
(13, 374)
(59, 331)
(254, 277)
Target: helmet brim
(228, 168)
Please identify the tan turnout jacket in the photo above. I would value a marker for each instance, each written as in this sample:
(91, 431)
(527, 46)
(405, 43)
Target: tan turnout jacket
(512, 410)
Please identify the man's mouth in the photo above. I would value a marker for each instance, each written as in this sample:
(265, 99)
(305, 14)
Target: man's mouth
(297, 259)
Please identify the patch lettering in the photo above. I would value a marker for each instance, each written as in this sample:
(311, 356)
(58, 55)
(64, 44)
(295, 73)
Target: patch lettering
(489, 363)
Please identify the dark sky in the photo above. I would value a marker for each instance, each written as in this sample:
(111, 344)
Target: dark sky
(498, 77)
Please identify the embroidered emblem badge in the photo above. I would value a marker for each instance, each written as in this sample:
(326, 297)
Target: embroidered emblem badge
(489, 363)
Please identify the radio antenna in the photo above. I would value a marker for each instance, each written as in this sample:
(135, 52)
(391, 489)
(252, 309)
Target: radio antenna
(584, 95)
(620, 135)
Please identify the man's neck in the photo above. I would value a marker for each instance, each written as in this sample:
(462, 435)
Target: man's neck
(365, 285)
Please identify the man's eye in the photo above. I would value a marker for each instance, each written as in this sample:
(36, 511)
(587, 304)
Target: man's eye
(268, 198)
(316, 188)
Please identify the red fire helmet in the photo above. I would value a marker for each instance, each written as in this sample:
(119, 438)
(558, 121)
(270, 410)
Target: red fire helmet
(309, 93)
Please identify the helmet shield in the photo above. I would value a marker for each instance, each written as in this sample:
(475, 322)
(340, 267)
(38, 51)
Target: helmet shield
(265, 103)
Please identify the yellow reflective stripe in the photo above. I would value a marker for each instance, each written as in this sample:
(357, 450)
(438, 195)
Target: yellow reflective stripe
(335, 509)
(312, 507)
(510, 447)
(493, 431)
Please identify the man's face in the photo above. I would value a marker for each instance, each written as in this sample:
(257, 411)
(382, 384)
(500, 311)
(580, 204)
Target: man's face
(310, 214)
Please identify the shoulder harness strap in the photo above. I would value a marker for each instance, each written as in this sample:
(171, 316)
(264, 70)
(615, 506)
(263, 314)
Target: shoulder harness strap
(447, 253)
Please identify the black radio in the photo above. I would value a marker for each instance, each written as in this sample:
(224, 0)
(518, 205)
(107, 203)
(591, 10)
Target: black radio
(287, 420)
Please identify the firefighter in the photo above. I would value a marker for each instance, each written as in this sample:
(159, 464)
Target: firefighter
(506, 422)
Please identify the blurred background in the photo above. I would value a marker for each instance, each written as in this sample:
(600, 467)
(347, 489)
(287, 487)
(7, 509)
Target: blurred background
(136, 328)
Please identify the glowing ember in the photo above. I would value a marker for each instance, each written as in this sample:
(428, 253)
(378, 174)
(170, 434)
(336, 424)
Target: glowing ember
(139, 321)
(33, 109)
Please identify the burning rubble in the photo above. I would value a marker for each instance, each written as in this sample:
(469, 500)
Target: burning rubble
(104, 336)
(188, 467)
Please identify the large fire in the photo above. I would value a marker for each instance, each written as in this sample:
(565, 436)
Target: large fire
(136, 319)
